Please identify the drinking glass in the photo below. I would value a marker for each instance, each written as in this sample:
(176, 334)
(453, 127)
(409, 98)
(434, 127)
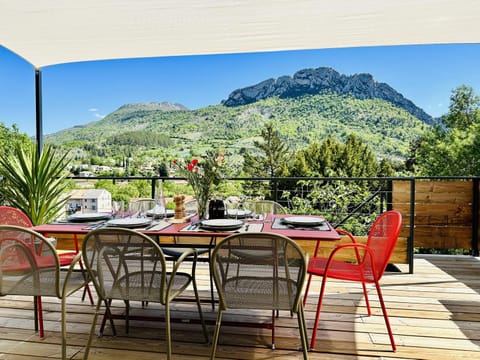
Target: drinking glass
(117, 209)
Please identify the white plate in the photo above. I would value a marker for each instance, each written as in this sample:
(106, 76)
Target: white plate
(83, 217)
(160, 213)
(238, 213)
(129, 222)
(303, 220)
(222, 224)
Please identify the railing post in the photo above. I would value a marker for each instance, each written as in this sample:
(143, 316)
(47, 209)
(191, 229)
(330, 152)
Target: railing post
(153, 187)
(275, 190)
(411, 237)
(389, 194)
(475, 214)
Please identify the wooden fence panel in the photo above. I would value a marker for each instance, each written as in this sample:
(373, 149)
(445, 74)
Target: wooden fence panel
(443, 212)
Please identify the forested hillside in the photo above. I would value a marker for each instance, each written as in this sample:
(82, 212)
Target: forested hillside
(388, 129)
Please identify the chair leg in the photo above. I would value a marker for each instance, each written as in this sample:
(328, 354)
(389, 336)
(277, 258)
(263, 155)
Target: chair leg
(213, 240)
(168, 334)
(199, 306)
(385, 316)
(86, 289)
(108, 315)
(317, 315)
(127, 316)
(92, 329)
(35, 313)
(39, 316)
(212, 295)
(64, 328)
(365, 293)
(302, 327)
(216, 334)
(273, 329)
(305, 295)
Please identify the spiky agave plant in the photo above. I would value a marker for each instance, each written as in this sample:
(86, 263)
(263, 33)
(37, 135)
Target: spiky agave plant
(35, 182)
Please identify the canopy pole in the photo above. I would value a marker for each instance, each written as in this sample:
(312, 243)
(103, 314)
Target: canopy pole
(38, 110)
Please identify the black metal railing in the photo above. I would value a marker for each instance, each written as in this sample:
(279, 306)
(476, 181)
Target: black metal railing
(352, 203)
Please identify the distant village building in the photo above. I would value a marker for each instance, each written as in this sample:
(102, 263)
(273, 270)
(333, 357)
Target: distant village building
(90, 200)
(101, 169)
(86, 174)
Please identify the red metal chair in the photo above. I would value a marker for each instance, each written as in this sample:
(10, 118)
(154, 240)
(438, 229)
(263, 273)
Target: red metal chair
(13, 216)
(372, 259)
(29, 266)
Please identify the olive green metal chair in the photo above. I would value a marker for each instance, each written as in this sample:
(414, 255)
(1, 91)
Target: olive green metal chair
(29, 265)
(270, 282)
(129, 266)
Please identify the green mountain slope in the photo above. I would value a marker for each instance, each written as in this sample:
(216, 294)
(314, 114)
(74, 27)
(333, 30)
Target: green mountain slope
(387, 128)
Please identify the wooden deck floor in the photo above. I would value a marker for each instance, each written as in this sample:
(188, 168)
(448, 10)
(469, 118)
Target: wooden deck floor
(435, 314)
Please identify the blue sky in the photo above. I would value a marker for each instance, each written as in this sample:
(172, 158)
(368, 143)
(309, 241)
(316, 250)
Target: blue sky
(79, 93)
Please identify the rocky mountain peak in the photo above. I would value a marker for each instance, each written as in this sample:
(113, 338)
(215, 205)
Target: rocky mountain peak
(323, 79)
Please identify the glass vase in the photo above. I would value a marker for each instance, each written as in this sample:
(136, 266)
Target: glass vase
(202, 205)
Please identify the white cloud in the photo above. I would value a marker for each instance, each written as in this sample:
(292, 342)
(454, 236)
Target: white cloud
(96, 113)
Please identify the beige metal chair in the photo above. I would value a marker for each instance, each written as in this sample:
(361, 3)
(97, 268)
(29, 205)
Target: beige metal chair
(262, 207)
(29, 265)
(271, 282)
(129, 266)
(174, 253)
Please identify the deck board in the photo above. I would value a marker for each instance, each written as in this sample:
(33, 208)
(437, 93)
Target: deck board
(434, 313)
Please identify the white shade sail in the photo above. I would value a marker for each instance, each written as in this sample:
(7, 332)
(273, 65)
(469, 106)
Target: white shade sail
(48, 32)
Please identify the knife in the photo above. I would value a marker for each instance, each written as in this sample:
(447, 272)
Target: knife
(192, 226)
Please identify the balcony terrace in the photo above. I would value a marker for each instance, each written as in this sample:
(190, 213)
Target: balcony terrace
(434, 312)
(433, 300)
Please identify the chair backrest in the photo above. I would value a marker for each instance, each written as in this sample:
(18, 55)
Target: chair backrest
(29, 264)
(271, 278)
(13, 216)
(382, 238)
(264, 207)
(125, 264)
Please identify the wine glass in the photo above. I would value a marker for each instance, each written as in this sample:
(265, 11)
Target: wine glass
(117, 208)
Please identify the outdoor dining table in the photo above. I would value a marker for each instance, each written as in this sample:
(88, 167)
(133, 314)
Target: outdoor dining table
(165, 230)
(194, 236)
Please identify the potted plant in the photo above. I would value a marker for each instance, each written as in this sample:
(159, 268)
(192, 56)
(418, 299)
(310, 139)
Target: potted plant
(35, 182)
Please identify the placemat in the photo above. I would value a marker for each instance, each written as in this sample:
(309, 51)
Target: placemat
(157, 226)
(280, 225)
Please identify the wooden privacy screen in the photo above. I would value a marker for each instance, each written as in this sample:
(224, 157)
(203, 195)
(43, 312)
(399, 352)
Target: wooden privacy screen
(443, 212)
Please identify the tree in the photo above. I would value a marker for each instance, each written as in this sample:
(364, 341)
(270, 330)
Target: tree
(451, 148)
(10, 137)
(271, 155)
(269, 160)
(464, 109)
